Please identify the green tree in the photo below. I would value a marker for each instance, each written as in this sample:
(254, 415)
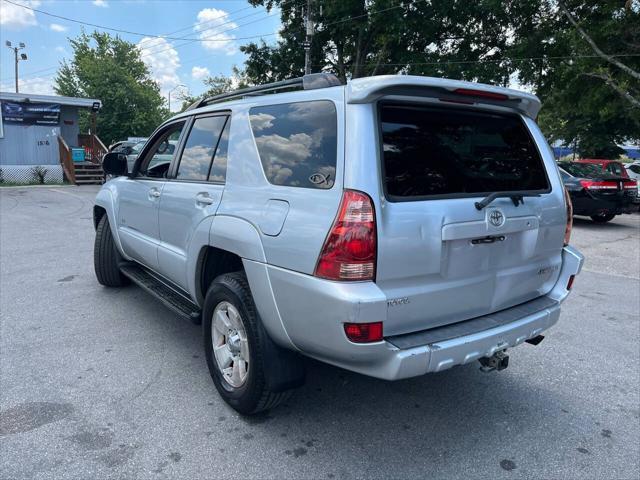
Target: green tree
(587, 59)
(217, 85)
(588, 97)
(110, 69)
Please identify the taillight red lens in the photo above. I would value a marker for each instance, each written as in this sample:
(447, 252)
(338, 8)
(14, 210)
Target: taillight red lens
(349, 252)
(481, 93)
(598, 185)
(569, 227)
(630, 185)
(570, 282)
(364, 332)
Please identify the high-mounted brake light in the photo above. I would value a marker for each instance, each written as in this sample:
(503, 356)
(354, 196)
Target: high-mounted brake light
(598, 185)
(569, 227)
(349, 252)
(363, 332)
(481, 93)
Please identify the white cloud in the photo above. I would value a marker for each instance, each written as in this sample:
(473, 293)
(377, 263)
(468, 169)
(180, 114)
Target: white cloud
(200, 73)
(211, 32)
(56, 27)
(35, 85)
(60, 49)
(101, 3)
(163, 62)
(15, 17)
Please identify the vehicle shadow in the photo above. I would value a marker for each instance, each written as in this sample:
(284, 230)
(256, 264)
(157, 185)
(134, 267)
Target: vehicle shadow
(586, 222)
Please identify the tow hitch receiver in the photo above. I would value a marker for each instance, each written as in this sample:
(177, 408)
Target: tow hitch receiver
(498, 361)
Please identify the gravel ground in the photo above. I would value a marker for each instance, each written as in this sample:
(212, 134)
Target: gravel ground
(107, 383)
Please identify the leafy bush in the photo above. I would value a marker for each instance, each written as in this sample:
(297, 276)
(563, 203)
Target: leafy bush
(39, 174)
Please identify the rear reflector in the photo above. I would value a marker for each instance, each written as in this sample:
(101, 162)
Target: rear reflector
(570, 282)
(481, 93)
(364, 332)
(349, 252)
(569, 225)
(598, 185)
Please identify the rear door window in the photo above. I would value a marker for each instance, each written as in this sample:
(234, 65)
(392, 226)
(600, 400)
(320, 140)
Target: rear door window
(297, 143)
(436, 152)
(200, 147)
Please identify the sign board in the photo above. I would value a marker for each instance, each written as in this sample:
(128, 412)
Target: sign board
(31, 113)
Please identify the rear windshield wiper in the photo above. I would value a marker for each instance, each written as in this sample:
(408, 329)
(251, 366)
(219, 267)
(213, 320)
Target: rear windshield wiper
(516, 197)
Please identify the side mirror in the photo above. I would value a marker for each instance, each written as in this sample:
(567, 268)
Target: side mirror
(114, 163)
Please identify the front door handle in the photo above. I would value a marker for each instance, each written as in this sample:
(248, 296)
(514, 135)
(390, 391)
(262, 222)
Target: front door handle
(204, 199)
(154, 193)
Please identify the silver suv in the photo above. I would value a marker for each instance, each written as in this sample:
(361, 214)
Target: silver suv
(393, 226)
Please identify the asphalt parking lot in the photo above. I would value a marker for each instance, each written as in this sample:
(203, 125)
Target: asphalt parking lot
(107, 383)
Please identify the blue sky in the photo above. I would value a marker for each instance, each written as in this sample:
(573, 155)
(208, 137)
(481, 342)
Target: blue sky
(172, 62)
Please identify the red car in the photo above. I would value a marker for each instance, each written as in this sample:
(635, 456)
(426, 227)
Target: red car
(612, 167)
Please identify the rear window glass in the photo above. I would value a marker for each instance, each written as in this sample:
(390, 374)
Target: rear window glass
(584, 170)
(297, 143)
(432, 151)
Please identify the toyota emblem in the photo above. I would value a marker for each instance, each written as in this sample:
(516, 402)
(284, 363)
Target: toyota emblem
(496, 218)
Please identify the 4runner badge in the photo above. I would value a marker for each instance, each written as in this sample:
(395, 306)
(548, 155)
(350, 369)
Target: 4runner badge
(496, 218)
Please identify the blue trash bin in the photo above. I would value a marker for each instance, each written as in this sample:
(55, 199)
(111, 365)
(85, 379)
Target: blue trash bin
(77, 154)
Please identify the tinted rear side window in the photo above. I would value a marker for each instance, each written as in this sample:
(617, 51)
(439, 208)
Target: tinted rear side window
(297, 143)
(433, 151)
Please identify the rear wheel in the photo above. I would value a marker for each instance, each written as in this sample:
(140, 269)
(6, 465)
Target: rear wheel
(106, 257)
(236, 345)
(604, 218)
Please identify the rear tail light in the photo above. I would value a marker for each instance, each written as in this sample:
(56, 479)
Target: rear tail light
(598, 185)
(567, 230)
(570, 282)
(363, 332)
(630, 185)
(349, 252)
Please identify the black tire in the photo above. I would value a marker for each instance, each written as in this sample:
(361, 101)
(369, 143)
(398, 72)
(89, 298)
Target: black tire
(602, 218)
(106, 257)
(253, 395)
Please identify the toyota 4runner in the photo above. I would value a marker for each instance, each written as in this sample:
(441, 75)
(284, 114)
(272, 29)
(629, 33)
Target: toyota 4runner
(393, 226)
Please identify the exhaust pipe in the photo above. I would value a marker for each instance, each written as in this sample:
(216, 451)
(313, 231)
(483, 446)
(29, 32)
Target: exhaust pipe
(498, 361)
(535, 340)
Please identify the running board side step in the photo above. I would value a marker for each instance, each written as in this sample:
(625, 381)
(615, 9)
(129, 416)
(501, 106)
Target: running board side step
(173, 299)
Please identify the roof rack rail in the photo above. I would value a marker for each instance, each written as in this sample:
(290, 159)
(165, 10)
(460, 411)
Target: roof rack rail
(311, 81)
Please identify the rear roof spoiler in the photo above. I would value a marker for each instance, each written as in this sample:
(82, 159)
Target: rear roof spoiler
(370, 89)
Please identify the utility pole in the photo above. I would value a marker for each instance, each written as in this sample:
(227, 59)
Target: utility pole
(308, 22)
(23, 56)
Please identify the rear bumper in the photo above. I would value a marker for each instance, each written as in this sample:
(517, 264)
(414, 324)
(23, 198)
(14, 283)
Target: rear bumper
(313, 312)
(591, 205)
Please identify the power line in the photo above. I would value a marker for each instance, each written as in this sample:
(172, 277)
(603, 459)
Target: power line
(101, 27)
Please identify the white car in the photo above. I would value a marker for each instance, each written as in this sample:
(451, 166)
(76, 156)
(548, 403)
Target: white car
(633, 169)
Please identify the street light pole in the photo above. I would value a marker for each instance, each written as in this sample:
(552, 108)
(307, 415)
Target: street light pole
(23, 56)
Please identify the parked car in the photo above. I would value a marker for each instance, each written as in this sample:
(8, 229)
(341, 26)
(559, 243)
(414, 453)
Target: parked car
(393, 226)
(595, 193)
(122, 146)
(611, 167)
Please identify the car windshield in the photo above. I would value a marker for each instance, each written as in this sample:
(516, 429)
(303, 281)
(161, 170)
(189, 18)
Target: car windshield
(585, 170)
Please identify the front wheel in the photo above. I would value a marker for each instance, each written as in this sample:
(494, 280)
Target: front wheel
(106, 257)
(235, 345)
(604, 218)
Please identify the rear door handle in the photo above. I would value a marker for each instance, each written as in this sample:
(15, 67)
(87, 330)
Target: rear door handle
(154, 193)
(204, 199)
